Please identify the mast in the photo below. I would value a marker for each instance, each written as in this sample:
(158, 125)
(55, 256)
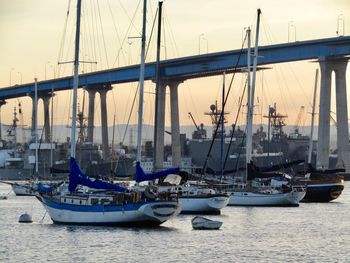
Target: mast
(248, 138)
(51, 134)
(141, 80)
(36, 123)
(312, 119)
(75, 82)
(160, 5)
(251, 101)
(222, 125)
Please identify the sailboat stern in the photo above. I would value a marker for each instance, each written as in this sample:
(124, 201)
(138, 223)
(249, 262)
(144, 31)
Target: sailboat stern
(159, 212)
(296, 195)
(218, 201)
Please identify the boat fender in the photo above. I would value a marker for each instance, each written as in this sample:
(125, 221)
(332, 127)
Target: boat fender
(151, 192)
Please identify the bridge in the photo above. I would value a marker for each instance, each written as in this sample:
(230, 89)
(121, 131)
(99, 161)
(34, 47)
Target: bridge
(330, 52)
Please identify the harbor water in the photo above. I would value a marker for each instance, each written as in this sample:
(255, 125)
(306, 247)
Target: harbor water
(312, 232)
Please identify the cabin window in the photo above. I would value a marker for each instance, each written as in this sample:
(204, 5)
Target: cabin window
(64, 200)
(80, 202)
(72, 201)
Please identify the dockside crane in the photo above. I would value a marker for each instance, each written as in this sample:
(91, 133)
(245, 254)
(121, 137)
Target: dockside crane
(194, 122)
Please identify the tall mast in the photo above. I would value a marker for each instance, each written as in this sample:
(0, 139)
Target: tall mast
(312, 119)
(248, 139)
(75, 82)
(251, 101)
(141, 81)
(222, 124)
(159, 38)
(36, 124)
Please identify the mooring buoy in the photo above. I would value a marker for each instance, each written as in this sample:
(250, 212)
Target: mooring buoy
(25, 218)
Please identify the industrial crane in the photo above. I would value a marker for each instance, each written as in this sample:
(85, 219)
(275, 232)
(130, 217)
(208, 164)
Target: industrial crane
(298, 120)
(194, 122)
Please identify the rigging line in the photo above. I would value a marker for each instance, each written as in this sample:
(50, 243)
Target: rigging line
(117, 32)
(60, 52)
(127, 31)
(115, 112)
(131, 20)
(285, 85)
(87, 28)
(226, 97)
(308, 96)
(138, 84)
(103, 36)
(98, 47)
(176, 52)
(172, 37)
(93, 23)
(235, 125)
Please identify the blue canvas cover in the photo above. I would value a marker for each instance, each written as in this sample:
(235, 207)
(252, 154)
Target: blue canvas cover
(76, 177)
(44, 189)
(142, 176)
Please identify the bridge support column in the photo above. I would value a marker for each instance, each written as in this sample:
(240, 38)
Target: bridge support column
(46, 101)
(159, 128)
(104, 125)
(91, 114)
(175, 124)
(342, 114)
(324, 117)
(328, 65)
(2, 103)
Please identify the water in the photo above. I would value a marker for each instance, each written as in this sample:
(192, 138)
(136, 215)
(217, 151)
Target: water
(313, 232)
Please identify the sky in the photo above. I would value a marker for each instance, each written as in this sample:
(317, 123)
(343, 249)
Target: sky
(34, 40)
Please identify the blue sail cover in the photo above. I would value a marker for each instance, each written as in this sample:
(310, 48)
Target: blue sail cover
(76, 177)
(142, 176)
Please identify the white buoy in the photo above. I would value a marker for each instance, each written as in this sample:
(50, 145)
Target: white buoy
(25, 218)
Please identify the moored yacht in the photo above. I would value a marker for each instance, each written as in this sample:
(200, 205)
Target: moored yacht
(247, 195)
(197, 199)
(101, 202)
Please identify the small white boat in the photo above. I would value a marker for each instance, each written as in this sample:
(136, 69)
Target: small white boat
(199, 222)
(195, 199)
(24, 189)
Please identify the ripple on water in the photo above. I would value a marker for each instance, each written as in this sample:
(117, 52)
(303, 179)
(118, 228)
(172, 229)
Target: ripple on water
(309, 233)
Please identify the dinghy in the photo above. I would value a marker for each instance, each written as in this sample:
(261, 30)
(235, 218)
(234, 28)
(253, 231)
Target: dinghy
(199, 222)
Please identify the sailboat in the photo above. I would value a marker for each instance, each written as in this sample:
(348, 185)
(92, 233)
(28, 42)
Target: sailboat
(247, 195)
(96, 202)
(321, 185)
(193, 198)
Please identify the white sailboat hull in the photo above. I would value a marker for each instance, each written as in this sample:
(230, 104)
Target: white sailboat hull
(262, 199)
(146, 214)
(203, 205)
(23, 190)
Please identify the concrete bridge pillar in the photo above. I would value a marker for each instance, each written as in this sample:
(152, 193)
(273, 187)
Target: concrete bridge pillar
(328, 65)
(104, 125)
(46, 101)
(159, 128)
(322, 160)
(2, 103)
(91, 114)
(342, 113)
(175, 124)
